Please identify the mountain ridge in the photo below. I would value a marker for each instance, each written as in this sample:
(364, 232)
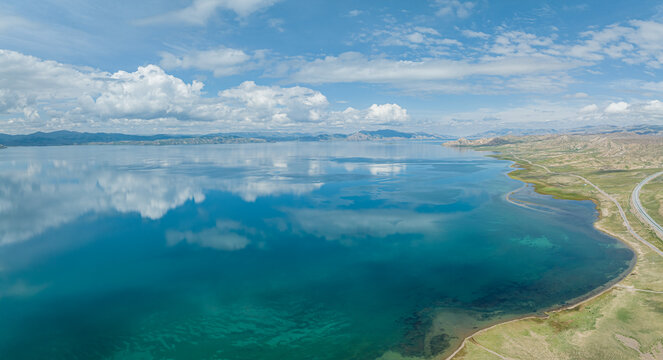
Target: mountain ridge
(66, 137)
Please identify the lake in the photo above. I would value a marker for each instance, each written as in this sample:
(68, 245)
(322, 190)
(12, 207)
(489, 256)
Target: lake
(320, 250)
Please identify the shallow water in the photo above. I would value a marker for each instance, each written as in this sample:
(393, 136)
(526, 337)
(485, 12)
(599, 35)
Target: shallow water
(277, 251)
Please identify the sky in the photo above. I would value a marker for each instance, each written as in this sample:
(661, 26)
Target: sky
(437, 66)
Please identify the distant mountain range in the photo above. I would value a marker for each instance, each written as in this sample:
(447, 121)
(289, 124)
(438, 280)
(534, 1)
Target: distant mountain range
(604, 129)
(83, 138)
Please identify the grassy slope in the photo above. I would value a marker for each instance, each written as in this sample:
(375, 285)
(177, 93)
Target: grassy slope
(651, 197)
(621, 323)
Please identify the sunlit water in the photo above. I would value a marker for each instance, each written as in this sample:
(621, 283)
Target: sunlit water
(277, 251)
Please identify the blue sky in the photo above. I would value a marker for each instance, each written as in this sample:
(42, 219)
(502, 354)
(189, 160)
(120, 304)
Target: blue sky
(442, 66)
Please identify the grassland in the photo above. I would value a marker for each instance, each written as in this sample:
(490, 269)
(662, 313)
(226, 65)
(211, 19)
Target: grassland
(651, 197)
(626, 320)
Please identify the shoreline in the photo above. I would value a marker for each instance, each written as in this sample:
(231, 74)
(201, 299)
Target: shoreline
(575, 302)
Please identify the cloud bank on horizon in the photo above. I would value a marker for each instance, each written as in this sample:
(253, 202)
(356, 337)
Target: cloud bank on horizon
(443, 66)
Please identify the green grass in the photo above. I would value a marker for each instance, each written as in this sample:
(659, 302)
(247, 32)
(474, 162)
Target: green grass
(620, 323)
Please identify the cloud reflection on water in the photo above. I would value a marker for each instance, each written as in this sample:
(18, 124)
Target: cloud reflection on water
(43, 188)
(347, 224)
(224, 236)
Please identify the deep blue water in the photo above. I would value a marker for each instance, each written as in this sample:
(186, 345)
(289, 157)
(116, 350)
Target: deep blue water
(277, 251)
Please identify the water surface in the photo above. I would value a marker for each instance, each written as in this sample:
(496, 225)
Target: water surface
(277, 251)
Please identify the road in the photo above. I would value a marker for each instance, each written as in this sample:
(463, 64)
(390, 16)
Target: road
(609, 197)
(635, 199)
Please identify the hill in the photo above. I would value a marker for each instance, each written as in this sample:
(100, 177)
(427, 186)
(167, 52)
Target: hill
(84, 138)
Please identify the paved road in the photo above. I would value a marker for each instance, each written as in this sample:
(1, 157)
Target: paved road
(635, 195)
(635, 199)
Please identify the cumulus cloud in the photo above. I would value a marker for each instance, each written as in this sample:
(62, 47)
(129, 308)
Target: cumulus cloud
(617, 108)
(388, 113)
(45, 94)
(200, 11)
(146, 93)
(385, 114)
(281, 104)
(589, 109)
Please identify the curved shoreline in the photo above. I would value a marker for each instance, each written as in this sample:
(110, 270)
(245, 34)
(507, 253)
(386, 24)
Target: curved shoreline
(578, 301)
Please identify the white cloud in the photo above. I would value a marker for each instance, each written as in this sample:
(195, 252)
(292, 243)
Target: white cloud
(651, 86)
(276, 24)
(578, 95)
(638, 42)
(461, 9)
(509, 60)
(21, 32)
(355, 67)
(554, 115)
(146, 93)
(521, 43)
(475, 34)
(200, 11)
(9, 22)
(547, 83)
(283, 105)
(409, 35)
(355, 12)
(654, 106)
(221, 61)
(387, 113)
(45, 94)
(616, 108)
(589, 109)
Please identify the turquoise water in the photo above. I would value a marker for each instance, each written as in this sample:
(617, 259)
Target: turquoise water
(277, 251)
